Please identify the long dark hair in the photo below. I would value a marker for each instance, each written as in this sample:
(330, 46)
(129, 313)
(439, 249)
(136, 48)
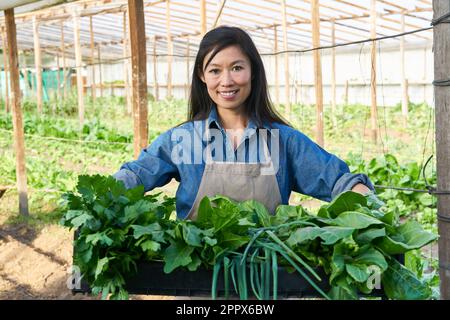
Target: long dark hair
(258, 105)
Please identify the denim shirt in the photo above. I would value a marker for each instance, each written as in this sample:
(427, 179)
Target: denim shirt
(302, 165)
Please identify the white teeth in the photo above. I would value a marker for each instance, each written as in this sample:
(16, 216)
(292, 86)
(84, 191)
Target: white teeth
(228, 93)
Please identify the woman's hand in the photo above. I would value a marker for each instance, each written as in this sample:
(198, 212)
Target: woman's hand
(361, 188)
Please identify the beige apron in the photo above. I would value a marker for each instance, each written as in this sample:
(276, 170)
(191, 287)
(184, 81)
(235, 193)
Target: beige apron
(239, 181)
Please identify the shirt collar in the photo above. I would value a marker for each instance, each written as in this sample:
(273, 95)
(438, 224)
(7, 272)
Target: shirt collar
(213, 121)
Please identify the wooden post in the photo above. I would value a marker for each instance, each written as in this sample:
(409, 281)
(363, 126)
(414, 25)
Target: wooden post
(6, 69)
(169, 51)
(441, 49)
(203, 22)
(402, 72)
(139, 67)
(186, 91)
(37, 64)
(91, 33)
(155, 71)
(277, 82)
(99, 58)
(126, 66)
(373, 73)
(63, 56)
(333, 75)
(19, 141)
(79, 66)
(315, 19)
(286, 61)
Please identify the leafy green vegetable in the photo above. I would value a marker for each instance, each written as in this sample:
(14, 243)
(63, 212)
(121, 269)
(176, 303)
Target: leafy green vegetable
(116, 228)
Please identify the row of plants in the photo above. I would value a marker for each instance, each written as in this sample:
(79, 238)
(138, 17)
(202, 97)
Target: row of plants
(348, 238)
(387, 171)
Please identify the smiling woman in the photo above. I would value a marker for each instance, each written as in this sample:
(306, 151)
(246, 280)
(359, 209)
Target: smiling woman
(234, 143)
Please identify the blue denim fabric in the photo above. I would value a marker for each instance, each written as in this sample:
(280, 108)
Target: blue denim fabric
(304, 166)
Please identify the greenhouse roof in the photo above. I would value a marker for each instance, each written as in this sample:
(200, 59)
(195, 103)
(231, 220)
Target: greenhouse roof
(263, 19)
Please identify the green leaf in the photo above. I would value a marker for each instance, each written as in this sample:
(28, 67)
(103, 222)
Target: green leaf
(329, 235)
(372, 257)
(135, 194)
(342, 290)
(210, 241)
(150, 245)
(358, 272)
(134, 211)
(259, 209)
(409, 236)
(246, 222)
(204, 211)
(233, 241)
(102, 264)
(390, 218)
(337, 262)
(366, 236)
(346, 201)
(195, 263)
(373, 201)
(353, 219)
(102, 238)
(151, 229)
(80, 220)
(400, 283)
(192, 235)
(178, 254)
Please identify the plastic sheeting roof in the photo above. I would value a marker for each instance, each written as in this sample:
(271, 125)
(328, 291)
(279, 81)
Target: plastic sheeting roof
(259, 18)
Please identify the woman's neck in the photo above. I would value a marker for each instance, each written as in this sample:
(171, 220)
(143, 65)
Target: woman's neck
(232, 119)
(234, 122)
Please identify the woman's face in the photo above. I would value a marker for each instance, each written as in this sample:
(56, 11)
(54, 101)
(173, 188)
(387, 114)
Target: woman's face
(228, 78)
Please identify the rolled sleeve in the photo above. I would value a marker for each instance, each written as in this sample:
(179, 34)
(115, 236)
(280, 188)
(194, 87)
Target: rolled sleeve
(348, 180)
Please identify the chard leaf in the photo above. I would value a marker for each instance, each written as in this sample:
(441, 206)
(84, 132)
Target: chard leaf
(259, 209)
(329, 235)
(400, 283)
(346, 201)
(343, 290)
(366, 236)
(409, 236)
(353, 219)
(358, 272)
(372, 257)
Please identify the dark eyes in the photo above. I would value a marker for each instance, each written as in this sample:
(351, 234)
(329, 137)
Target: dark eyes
(216, 71)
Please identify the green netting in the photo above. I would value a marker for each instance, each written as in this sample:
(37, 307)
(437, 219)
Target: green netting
(49, 82)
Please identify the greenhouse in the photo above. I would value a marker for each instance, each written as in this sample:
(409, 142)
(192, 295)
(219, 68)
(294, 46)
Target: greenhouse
(109, 188)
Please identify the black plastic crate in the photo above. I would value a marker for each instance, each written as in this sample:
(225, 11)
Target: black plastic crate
(150, 279)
